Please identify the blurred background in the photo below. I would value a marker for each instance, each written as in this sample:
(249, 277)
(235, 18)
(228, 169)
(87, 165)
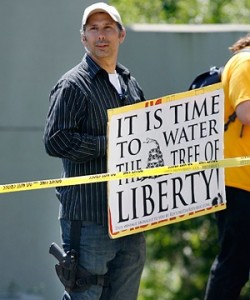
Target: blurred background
(168, 43)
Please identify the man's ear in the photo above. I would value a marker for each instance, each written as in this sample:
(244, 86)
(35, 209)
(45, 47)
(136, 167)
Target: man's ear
(83, 39)
(122, 35)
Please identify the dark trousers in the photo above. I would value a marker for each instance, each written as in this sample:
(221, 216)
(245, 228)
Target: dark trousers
(230, 269)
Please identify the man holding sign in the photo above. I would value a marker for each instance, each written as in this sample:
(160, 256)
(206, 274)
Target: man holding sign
(76, 131)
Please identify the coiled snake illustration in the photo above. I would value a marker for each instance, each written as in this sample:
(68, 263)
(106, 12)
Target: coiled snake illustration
(155, 156)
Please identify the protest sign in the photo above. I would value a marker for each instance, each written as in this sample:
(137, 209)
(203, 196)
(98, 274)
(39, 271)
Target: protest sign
(172, 130)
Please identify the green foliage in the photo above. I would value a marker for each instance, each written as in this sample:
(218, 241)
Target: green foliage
(183, 11)
(140, 11)
(179, 259)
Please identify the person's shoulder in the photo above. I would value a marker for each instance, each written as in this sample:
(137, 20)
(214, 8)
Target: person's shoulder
(240, 56)
(122, 70)
(73, 73)
(125, 72)
(240, 59)
(70, 80)
(76, 77)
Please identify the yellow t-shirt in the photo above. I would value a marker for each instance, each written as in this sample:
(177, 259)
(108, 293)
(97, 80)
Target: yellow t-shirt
(236, 84)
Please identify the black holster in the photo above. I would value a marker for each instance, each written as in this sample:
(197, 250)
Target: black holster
(78, 278)
(73, 276)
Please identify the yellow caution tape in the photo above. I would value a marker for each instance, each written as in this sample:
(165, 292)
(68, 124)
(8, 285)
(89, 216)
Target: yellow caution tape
(194, 166)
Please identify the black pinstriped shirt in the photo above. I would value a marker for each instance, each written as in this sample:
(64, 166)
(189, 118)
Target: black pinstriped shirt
(76, 130)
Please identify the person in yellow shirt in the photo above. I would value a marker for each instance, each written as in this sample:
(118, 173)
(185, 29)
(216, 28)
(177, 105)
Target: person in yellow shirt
(230, 269)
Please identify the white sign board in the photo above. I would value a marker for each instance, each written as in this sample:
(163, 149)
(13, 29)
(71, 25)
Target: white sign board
(176, 129)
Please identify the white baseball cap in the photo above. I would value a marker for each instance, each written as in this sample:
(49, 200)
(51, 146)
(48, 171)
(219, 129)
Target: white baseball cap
(101, 7)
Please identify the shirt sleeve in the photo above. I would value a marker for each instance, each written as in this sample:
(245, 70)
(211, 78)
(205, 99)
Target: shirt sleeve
(239, 87)
(64, 135)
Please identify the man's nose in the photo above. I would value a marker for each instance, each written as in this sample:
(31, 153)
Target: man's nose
(101, 34)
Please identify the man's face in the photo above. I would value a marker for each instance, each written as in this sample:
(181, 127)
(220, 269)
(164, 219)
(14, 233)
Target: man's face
(102, 37)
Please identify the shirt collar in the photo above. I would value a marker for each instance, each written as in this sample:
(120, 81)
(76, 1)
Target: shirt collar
(93, 68)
